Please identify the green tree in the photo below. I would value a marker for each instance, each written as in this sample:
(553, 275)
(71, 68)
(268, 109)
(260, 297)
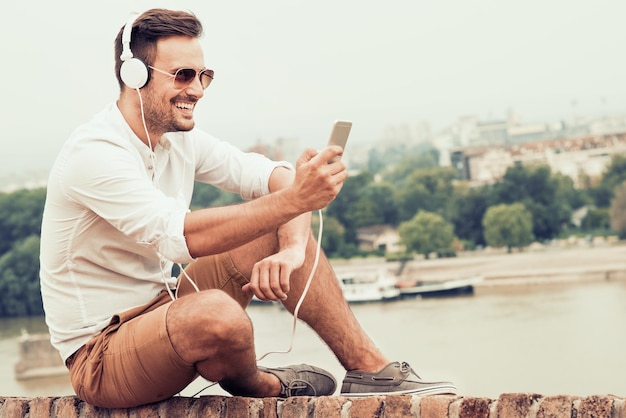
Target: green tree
(203, 195)
(551, 198)
(429, 190)
(332, 236)
(566, 191)
(375, 205)
(20, 216)
(613, 176)
(617, 212)
(206, 195)
(427, 232)
(596, 219)
(342, 208)
(508, 225)
(19, 280)
(469, 207)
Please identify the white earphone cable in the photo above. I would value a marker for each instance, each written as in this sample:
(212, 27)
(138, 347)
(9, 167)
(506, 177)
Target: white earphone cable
(164, 276)
(318, 250)
(304, 291)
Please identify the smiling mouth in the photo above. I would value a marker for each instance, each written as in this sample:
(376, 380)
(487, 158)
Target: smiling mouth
(185, 106)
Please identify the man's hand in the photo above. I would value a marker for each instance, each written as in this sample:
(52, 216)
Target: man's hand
(317, 181)
(270, 276)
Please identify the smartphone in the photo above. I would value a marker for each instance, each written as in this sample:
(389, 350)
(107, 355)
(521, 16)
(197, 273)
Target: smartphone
(339, 135)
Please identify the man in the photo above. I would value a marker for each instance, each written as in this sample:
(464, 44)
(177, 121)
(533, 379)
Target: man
(116, 217)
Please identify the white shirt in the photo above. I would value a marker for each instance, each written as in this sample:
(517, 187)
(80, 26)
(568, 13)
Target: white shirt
(114, 216)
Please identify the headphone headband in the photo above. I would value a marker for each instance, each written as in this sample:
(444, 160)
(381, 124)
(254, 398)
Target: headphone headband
(133, 72)
(128, 29)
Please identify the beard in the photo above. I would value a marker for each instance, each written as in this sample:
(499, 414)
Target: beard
(162, 117)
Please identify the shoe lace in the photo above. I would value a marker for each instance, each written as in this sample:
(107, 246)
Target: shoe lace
(298, 384)
(405, 368)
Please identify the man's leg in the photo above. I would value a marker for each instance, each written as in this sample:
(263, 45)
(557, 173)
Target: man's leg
(324, 307)
(132, 361)
(211, 329)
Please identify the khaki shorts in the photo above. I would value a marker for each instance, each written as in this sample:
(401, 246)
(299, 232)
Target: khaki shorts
(132, 361)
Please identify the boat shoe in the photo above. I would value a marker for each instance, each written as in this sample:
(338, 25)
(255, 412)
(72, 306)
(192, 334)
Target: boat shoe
(394, 378)
(303, 380)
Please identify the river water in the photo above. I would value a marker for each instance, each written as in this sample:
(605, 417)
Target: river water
(546, 339)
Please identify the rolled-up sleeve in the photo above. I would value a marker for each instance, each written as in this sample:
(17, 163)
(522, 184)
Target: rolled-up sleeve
(256, 184)
(172, 244)
(117, 190)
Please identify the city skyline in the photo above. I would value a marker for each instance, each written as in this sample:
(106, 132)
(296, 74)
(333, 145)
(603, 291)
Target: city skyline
(287, 69)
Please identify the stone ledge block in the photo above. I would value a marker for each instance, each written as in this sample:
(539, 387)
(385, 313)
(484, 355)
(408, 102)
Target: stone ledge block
(207, 407)
(556, 406)
(66, 407)
(295, 407)
(475, 408)
(511, 405)
(328, 406)
(363, 407)
(595, 406)
(398, 406)
(177, 406)
(14, 407)
(86, 410)
(619, 408)
(515, 405)
(435, 406)
(41, 407)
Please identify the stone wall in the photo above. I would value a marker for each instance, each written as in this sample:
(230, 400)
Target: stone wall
(506, 406)
(37, 358)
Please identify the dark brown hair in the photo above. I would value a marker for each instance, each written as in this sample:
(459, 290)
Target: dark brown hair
(149, 27)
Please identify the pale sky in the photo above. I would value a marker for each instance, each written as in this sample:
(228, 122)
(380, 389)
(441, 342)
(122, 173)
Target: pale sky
(289, 68)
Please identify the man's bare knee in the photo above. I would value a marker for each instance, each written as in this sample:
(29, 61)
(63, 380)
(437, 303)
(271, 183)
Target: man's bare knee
(203, 324)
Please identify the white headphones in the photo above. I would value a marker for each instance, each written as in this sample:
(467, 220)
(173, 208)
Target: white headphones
(133, 72)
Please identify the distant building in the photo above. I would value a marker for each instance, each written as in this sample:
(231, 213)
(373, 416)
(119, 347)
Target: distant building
(481, 165)
(572, 157)
(472, 131)
(492, 132)
(379, 237)
(521, 134)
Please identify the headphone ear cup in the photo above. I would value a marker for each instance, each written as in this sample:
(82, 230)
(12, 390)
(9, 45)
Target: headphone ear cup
(134, 73)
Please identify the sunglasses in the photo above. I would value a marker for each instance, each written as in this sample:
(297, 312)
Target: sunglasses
(184, 76)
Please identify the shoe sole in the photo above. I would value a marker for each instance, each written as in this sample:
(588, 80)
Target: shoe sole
(437, 390)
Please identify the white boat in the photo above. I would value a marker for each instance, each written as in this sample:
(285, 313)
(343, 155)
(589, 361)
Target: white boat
(435, 288)
(373, 287)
